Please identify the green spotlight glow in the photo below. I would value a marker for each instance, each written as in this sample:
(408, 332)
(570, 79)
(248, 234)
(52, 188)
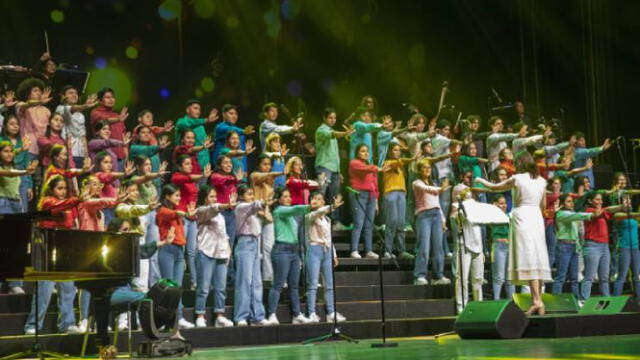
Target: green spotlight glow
(207, 84)
(57, 16)
(232, 22)
(199, 93)
(204, 8)
(131, 52)
(114, 78)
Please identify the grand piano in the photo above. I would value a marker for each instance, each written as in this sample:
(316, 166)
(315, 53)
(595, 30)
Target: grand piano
(97, 261)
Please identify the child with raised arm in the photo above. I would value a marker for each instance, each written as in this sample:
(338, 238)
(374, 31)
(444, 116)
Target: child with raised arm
(104, 164)
(171, 226)
(277, 152)
(568, 248)
(321, 256)
(247, 304)
(286, 257)
(212, 259)
(11, 133)
(102, 141)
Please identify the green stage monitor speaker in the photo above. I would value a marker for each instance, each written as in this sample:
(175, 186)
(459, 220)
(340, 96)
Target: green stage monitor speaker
(609, 305)
(561, 303)
(497, 319)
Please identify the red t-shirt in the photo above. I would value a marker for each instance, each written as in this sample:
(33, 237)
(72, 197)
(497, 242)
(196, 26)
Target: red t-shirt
(597, 229)
(225, 186)
(299, 190)
(166, 219)
(364, 177)
(188, 189)
(109, 190)
(187, 150)
(66, 208)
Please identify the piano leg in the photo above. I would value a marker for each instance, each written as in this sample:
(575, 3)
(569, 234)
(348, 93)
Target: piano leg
(101, 307)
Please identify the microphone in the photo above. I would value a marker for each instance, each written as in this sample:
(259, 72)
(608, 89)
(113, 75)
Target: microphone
(352, 190)
(495, 93)
(503, 107)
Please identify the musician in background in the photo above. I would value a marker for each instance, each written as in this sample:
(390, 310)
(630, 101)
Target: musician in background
(55, 199)
(521, 116)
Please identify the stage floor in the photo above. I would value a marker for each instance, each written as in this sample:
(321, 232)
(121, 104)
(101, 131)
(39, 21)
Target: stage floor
(620, 347)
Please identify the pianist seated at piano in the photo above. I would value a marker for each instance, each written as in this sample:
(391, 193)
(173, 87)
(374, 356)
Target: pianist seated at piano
(54, 198)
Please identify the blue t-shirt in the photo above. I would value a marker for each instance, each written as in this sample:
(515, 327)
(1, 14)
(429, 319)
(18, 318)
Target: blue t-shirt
(627, 233)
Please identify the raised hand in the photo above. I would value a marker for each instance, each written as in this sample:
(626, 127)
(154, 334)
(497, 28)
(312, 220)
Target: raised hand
(26, 143)
(124, 114)
(337, 201)
(191, 209)
(607, 144)
(589, 164)
(213, 115)
(123, 195)
(284, 150)
(153, 203)
(31, 168)
(9, 98)
(85, 194)
(126, 139)
(233, 200)
(46, 96)
(168, 125)
(249, 130)
(86, 165)
(163, 142)
(548, 131)
(207, 171)
(384, 168)
(129, 168)
(249, 148)
(162, 170)
(208, 143)
(92, 100)
(239, 174)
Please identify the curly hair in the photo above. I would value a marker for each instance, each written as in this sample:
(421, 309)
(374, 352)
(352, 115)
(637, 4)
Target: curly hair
(25, 87)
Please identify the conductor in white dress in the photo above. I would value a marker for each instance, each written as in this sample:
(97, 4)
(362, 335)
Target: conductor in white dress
(528, 257)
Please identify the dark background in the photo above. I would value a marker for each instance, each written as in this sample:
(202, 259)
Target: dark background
(578, 56)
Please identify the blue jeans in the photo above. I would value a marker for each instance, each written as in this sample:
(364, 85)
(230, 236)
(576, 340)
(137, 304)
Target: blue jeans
(429, 233)
(362, 222)
(596, 259)
(411, 200)
(332, 189)
(66, 293)
(210, 271)
(550, 236)
(171, 262)
(11, 206)
(125, 295)
(628, 257)
(445, 205)
(84, 297)
(191, 235)
(152, 234)
(499, 266)
(567, 262)
(394, 218)
(247, 303)
(286, 267)
(230, 224)
(319, 259)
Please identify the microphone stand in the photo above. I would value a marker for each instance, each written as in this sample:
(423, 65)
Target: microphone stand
(383, 324)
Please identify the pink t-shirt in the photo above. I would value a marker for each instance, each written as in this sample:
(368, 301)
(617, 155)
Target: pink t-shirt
(109, 190)
(33, 124)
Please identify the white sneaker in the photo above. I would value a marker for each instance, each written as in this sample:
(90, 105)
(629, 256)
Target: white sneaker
(314, 318)
(30, 331)
(371, 255)
(263, 322)
(388, 255)
(72, 329)
(273, 320)
(242, 323)
(421, 281)
(442, 281)
(338, 316)
(201, 322)
(355, 255)
(408, 228)
(123, 322)
(338, 226)
(300, 319)
(222, 321)
(16, 290)
(184, 324)
(319, 284)
(83, 325)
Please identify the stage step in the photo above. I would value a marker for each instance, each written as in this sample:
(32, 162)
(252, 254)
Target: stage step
(252, 335)
(354, 311)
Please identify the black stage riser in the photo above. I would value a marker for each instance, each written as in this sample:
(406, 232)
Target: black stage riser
(564, 326)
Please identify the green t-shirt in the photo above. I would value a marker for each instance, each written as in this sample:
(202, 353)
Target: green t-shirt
(286, 226)
(327, 153)
(9, 185)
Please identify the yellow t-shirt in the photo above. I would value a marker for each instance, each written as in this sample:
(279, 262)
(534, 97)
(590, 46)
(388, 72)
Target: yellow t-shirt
(393, 179)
